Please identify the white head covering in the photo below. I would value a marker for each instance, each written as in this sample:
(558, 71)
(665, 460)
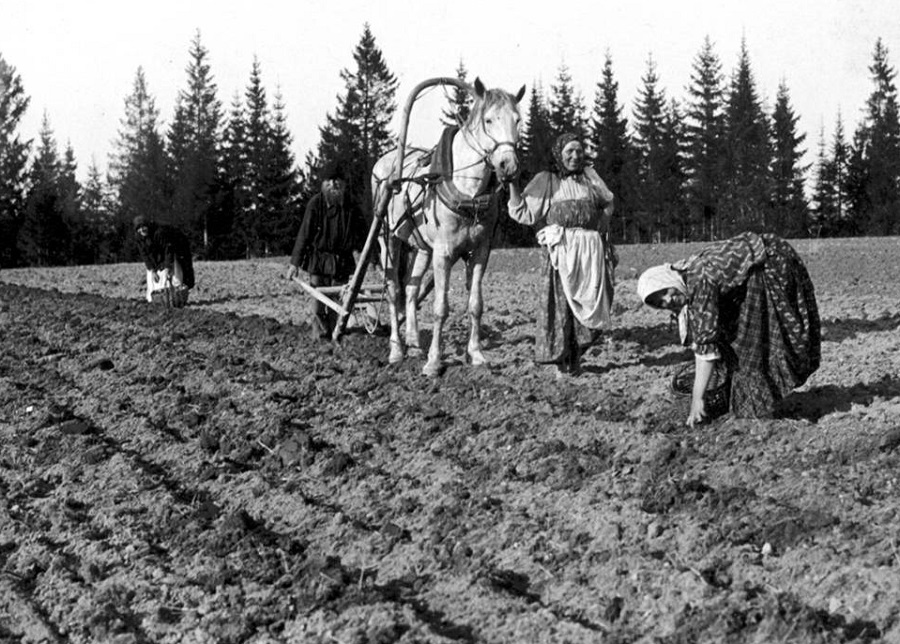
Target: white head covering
(659, 278)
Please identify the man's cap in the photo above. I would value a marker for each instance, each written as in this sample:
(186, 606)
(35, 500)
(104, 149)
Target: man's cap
(333, 170)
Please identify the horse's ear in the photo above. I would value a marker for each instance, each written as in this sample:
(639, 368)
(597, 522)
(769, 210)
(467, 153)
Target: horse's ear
(479, 88)
(520, 94)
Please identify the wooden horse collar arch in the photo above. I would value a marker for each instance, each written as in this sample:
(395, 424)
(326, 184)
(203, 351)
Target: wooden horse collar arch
(350, 294)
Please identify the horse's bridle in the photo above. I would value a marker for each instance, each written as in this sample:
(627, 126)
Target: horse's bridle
(486, 154)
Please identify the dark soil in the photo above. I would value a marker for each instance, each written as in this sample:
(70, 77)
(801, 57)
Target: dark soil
(212, 474)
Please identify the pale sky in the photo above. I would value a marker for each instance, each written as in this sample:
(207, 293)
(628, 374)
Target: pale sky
(78, 58)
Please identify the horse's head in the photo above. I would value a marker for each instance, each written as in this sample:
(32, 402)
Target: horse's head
(493, 126)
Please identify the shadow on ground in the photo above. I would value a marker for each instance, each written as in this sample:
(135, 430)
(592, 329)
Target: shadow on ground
(821, 401)
(840, 330)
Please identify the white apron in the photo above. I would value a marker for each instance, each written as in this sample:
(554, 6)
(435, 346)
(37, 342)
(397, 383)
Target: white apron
(579, 257)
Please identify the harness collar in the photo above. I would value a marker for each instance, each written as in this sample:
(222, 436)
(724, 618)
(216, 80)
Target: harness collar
(441, 181)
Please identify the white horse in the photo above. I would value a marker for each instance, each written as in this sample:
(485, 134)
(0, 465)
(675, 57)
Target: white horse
(446, 208)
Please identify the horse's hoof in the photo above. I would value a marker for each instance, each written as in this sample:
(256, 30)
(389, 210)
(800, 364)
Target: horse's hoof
(414, 352)
(477, 359)
(396, 354)
(432, 369)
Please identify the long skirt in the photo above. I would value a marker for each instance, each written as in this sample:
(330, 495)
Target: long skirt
(187, 267)
(560, 337)
(776, 336)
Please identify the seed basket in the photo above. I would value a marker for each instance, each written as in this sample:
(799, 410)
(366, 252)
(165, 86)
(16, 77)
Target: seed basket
(171, 297)
(718, 391)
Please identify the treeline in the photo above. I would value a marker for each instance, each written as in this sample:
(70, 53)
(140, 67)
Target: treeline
(227, 177)
(713, 164)
(720, 162)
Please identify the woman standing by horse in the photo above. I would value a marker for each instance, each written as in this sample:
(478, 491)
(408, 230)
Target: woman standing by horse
(570, 207)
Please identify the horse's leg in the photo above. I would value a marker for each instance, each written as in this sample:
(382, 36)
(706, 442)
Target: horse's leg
(413, 288)
(441, 265)
(474, 274)
(389, 265)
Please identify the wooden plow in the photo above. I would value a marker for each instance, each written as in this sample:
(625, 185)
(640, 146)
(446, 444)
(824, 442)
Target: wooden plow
(343, 298)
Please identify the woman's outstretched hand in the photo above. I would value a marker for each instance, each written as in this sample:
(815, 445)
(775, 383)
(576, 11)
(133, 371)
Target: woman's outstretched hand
(698, 412)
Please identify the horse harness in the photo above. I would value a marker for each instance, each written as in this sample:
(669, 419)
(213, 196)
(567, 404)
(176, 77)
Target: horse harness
(439, 180)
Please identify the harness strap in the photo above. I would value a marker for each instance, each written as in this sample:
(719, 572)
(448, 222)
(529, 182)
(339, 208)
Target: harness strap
(440, 179)
(425, 180)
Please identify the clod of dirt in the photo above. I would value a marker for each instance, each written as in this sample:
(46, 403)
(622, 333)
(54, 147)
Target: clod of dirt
(104, 364)
(890, 440)
(512, 582)
(73, 427)
(338, 464)
(394, 532)
(95, 454)
(239, 522)
(209, 441)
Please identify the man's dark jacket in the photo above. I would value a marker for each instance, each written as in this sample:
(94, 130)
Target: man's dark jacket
(327, 237)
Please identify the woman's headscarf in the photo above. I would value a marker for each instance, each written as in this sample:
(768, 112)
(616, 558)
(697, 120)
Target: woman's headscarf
(562, 141)
(658, 278)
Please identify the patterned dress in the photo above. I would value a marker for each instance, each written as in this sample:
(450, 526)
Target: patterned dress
(571, 215)
(751, 303)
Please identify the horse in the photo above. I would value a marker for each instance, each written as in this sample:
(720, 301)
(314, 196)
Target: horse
(445, 207)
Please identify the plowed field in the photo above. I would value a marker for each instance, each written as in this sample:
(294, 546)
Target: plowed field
(213, 474)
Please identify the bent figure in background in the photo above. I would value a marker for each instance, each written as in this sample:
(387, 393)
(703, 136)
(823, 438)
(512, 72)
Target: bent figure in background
(748, 302)
(166, 252)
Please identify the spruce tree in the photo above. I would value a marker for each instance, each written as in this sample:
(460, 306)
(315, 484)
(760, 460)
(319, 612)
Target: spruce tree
(44, 237)
(70, 194)
(567, 111)
(704, 132)
(358, 133)
(789, 207)
(253, 207)
(14, 153)
(284, 186)
(746, 185)
(650, 147)
(877, 170)
(258, 210)
(193, 147)
(614, 160)
(138, 166)
(536, 142)
(460, 101)
(822, 205)
(69, 187)
(830, 212)
(839, 176)
(226, 239)
(673, 205)
(859, 172)
(96, 232)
